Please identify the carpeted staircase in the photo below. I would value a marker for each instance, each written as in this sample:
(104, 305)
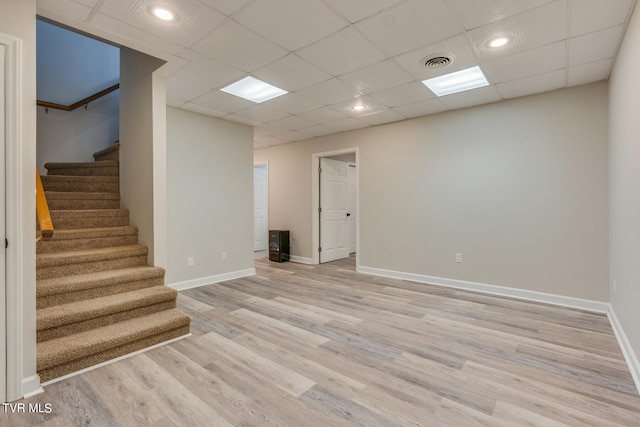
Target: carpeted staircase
(97, 299)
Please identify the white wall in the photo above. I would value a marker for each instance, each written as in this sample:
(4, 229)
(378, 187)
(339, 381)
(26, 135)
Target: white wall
(18, 19)
(625, 185)
(518, 187)
(210, 198)
(73, 136)
(139, 121)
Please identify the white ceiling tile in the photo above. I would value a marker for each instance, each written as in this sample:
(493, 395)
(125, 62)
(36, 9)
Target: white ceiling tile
(293, 103)
(483, 95)
(228, 7)
(538, 27)
(292, 123)
(377, 77)
(206, 71)
(344, 51)
(329, 92)
(174, 102)
(66, 8)
(476, 13)
(382, 117)
(593, 15)
(194, 18)
(410, 25)
(272, 19)
(291, 73)
(237, 47)
(423, 108)
(519, 66)
(594, 46)
(463, 57)
(372, 106)
(355, 10)
(243, 120)
(137, 36)
(182, 89)
(347, 125)
(222, 101)
(405, 94)
(317, 130)
(588, 73)
(322, 115)
(262, 112)
(536, 84)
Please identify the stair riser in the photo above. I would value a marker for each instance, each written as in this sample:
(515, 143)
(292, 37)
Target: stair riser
(76, 327)
(74, 204)
(71, 269)
(69, 222)
(65, 298)
(54, 246)
(80, 186)
(94, 171)
(94, 359)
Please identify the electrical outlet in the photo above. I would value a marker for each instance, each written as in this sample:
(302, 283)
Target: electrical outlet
(458, 257)
(223, 256)
(190, 262)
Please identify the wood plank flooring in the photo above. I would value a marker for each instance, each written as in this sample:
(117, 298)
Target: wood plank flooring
(300, 345)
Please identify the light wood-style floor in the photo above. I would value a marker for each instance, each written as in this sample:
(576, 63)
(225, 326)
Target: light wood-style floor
(301, 345)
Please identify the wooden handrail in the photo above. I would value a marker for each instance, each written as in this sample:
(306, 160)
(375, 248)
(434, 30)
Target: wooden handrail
(80, 103)
(42, 209)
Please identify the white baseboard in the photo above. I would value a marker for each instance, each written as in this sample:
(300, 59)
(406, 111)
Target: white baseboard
(300, 260)
(194, 283)
(625, 346)
(523, 294)
(31, 386)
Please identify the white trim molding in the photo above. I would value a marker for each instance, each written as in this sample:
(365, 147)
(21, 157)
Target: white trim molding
(196, 283)
(300, 259)
(503, 291)
(625, 346)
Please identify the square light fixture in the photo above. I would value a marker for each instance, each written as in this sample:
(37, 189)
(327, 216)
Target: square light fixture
(253, 89)
(459, 81)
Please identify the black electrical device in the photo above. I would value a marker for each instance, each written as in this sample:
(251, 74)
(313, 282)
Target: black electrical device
(279, 245)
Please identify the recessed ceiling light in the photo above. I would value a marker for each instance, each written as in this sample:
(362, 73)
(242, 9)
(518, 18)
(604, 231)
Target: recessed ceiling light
(253, 90)
(498, 42)
(459, 81)
(358, 107)
(163, 13)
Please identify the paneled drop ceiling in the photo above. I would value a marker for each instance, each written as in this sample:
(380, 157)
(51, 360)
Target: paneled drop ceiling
(332, 54)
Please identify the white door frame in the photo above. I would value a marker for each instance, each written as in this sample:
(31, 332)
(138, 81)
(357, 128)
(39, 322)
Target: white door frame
(13, 223)
(315, 196)
(266, 205)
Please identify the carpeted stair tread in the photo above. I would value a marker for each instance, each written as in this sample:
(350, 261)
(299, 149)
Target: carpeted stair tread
(80, 311)
(67, 200)
(84, 344)
(81, 282)
(112, 152)
(50, 265)
(96, 168)
(81, 184)
(88, 218)
(89, 238)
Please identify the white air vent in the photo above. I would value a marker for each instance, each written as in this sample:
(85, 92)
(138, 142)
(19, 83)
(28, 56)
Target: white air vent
(439, 60)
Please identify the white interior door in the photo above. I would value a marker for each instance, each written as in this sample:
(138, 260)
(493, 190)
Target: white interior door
(3, 303)
(334, 233)
(260, 200)
(352, 192)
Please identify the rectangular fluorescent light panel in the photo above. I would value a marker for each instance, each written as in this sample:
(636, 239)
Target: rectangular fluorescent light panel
(253, 89)
(459, 81)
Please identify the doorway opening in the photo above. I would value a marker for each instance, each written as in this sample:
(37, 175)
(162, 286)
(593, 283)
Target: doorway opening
(335, 205)
(260, 207)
